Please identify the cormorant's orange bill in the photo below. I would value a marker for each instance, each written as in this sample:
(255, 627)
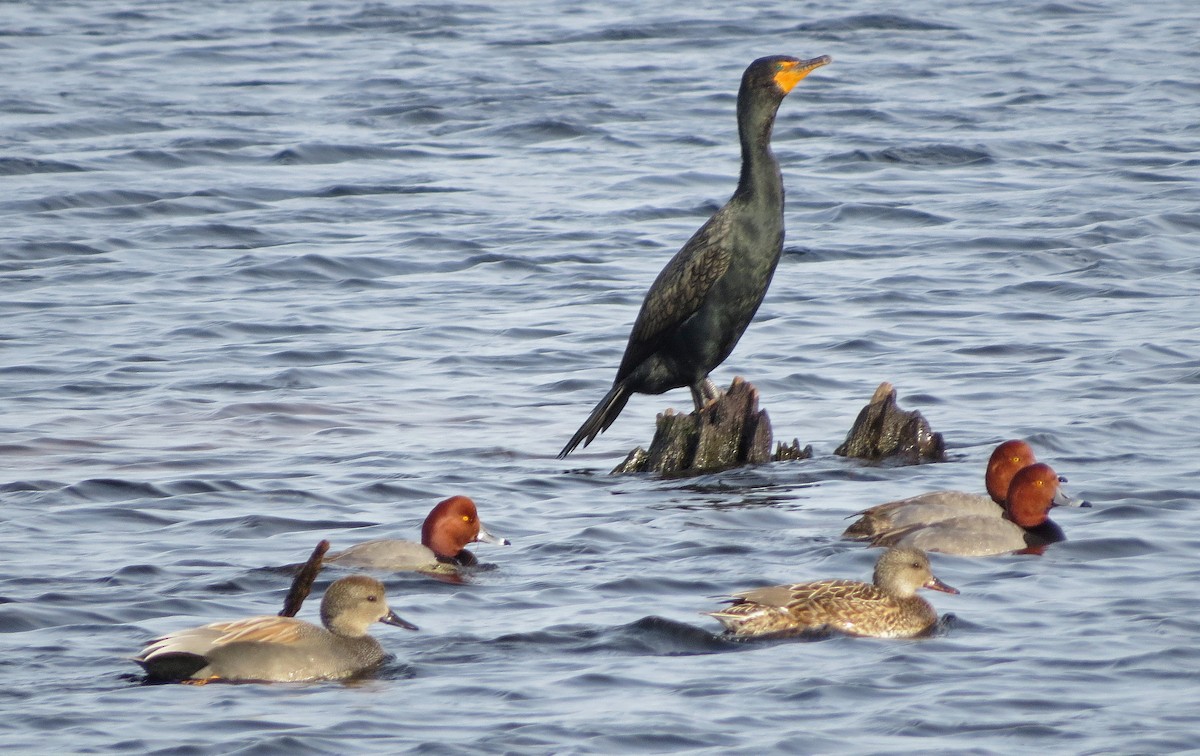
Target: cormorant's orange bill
(791, 73)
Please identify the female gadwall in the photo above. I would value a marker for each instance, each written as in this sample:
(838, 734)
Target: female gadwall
(280, 649)
(888, 609)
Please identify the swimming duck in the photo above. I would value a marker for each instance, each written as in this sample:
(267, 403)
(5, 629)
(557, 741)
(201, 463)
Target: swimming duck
(1026, 526)
(889, 608)
(280, 649)
(450, 526)
(1006, 460)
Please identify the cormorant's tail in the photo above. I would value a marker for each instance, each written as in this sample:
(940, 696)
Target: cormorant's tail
(602, 416)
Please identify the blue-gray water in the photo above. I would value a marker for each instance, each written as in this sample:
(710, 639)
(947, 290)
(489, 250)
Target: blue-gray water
(274, 272)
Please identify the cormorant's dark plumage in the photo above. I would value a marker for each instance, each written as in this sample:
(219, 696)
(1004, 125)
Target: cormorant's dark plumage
(704, 298)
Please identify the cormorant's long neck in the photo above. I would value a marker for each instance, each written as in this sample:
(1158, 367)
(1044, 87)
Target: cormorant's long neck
(760, 180)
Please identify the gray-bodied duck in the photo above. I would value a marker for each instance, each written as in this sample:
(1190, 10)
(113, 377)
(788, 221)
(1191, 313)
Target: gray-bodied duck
(280, 649)
(447, 530)
(1007, 459)
(1025, 525)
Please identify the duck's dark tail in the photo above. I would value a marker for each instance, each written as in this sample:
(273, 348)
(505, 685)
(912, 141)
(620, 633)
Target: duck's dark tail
(602, 416)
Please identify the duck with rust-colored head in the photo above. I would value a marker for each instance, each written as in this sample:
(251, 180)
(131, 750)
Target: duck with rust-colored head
(1006, 460)
(280, 649)
(450, 526)
(887, 608)
(1025, 527)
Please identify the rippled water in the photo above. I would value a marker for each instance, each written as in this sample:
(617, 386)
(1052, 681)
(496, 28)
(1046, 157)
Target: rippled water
(274, 272)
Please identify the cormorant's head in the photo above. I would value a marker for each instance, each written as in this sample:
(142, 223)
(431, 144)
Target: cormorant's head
(782, 72)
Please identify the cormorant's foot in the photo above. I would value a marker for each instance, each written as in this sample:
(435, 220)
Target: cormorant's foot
(713, 402)
(706, 394)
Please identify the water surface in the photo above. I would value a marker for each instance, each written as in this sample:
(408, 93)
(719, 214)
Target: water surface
(276, 272)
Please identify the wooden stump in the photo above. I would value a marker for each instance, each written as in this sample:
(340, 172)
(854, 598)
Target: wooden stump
(730, 432)
(884, 431)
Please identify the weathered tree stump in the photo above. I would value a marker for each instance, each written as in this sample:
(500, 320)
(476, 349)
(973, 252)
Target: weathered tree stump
(303, 582)
(884, 431)
(730, 432)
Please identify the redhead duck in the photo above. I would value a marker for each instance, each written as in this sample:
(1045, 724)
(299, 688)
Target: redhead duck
(889, 608)
(450, 526)
(1025, 527)
(1006, 460)
(280, 649)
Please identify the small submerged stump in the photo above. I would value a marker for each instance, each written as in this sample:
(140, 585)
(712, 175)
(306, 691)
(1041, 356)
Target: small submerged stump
(303, 582)
(730, 432)
(884, 431)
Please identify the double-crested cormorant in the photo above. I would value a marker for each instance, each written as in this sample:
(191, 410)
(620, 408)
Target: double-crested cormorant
(704, 298)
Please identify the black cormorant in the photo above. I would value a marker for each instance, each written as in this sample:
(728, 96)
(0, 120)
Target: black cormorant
(704, 298)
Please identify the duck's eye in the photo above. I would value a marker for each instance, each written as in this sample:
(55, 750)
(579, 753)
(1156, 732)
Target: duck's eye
(372, 598)
(916, 565)
(466, 518)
